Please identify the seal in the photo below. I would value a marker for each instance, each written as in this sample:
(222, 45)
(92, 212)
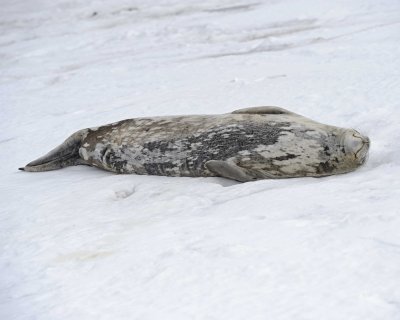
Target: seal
(245, 145)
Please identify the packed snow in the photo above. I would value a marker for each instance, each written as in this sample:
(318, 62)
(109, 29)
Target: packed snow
(82, 243)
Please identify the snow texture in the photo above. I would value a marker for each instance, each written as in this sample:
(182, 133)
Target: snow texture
(82, 243)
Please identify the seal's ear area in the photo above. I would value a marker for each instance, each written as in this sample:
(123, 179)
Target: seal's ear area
(229, 170)
(263, 110)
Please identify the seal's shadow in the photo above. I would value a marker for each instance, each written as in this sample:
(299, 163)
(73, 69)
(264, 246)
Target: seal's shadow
(221, 181)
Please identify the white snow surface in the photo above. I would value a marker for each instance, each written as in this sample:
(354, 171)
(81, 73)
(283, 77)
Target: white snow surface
(81, 243)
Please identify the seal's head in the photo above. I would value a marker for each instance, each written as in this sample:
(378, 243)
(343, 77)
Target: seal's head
(356, 145)
(354, 149)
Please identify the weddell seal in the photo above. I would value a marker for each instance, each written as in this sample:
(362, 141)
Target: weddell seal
(247, 144)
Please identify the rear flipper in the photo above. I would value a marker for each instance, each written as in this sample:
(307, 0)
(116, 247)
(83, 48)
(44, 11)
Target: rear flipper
(66, 154)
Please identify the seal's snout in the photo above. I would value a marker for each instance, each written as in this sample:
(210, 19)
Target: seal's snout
(357, 145)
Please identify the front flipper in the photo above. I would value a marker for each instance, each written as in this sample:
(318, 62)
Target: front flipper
(229, 170)
(263, 110)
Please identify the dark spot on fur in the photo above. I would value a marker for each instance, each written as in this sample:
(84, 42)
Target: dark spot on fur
(286, 157)
(325, 167)
(158, 168)
(114, 161)
(103, 152)
(160, 146)
(326, 150)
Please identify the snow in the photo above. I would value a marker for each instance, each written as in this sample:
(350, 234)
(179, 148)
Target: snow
(81, 243)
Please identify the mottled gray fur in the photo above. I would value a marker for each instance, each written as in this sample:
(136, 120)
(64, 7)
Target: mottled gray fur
(248, 144)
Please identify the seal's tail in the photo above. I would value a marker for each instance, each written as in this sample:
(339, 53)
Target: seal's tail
(66, 154)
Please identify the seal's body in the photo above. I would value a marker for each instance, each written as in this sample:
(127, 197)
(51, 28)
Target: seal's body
(247, 144)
